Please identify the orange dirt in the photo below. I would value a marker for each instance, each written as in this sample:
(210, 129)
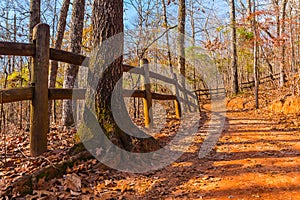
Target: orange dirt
(288, 105)
(257, 157)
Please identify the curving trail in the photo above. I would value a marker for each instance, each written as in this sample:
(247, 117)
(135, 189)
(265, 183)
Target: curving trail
(257, 157)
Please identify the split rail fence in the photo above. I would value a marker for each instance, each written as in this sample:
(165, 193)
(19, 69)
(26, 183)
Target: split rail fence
(39, 94)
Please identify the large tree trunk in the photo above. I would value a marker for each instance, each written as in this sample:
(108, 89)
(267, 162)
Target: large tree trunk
(106, 64)
(71, 71)
(108, 22)
(234, 57)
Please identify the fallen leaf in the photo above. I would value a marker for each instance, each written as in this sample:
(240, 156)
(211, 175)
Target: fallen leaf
(72, 182)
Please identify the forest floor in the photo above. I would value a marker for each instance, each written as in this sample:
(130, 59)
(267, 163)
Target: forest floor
(256, 157)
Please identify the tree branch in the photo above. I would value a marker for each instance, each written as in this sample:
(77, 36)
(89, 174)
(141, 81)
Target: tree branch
(155, 40)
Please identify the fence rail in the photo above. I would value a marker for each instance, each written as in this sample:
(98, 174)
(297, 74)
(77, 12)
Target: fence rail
(24, 49)
(39, 93)
(16, 94)
(265, 79)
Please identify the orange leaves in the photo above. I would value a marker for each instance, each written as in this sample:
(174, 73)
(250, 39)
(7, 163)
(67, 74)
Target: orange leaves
(214, 45)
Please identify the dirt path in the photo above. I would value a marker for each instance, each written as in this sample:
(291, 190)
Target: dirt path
(255, 158)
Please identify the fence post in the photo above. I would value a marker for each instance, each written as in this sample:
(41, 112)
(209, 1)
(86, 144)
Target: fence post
(176, 102)
(39, 105)
(177, 109)
(147, 101)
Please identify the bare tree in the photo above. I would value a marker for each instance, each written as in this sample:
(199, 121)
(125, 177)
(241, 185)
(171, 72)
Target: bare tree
(181, 30)
(58, 43)
(71, 71)
(234, 56)
(255, 53)
(283, 45)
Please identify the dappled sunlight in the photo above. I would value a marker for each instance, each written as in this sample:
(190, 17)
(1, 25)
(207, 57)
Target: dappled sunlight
(182, 164)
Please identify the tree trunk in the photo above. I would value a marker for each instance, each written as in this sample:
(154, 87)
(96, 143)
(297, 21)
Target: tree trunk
(181, 30)
(35, 10)
(15, 40)
(58, 43)
(292, 57)
(234, 57)
(165, 22)
(181, 47)
(108, 22)
(255, 56)
(193, 31)
(276, 49)
(71, 71)
(35, 13)
(283, 59)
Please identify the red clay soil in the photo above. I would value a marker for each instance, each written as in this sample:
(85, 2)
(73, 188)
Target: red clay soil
(257, 157)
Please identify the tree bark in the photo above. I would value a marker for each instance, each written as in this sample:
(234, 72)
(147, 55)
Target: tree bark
(181, 30)
(283, 45)
(35, 16)
(71, 71)
(107, 22)
(234, 56)
(193, 32)
(165, 22)
(181, 47)
(255, 56)
(292, 57)
(58, 42)
(15, 40)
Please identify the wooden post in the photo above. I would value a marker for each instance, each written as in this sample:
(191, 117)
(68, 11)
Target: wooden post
(147, 101)
(39, 105)
(177, 109)
(176, 102)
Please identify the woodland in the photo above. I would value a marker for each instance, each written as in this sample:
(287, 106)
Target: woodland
(150, 99)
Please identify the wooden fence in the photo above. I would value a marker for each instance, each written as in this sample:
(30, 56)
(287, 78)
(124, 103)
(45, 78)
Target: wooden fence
(245, 85)
(209, 92)
(39, 93)
(262, 80)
